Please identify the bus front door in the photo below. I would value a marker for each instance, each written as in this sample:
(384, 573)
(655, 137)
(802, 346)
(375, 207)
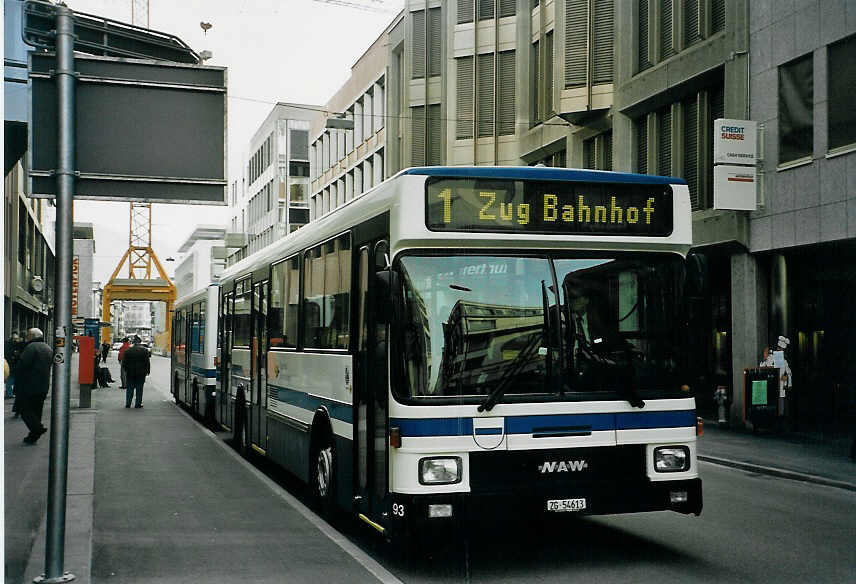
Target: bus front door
(370, 400)
(256, 429)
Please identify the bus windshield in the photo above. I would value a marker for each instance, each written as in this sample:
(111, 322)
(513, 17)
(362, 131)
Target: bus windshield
(539, 328)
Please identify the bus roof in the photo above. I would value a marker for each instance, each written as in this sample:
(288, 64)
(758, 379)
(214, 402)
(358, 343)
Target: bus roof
(543, 173)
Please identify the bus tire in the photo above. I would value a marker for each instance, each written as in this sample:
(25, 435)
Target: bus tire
(323, 474)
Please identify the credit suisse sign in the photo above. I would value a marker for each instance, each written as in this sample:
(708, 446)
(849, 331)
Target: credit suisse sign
(735, 142)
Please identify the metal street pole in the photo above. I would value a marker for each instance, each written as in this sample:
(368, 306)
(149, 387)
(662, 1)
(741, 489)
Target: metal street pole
(58, 470)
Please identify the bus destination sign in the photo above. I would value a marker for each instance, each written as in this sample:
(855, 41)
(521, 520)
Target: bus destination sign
(571, 208)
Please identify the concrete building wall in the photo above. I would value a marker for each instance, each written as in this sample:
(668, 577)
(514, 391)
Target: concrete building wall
(814, 200)
(344, 163)
(803, 233)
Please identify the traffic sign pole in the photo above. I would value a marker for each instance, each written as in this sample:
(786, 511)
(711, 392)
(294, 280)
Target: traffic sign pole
(58, 470)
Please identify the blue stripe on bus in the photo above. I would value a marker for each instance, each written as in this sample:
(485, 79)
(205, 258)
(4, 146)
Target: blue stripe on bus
(542, 173)
(644, 420)
(303, 400)
(433, 426)
(422, 427)
(529, 424)
(488, 431)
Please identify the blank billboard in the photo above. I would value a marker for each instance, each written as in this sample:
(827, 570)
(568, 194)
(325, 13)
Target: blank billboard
(150, 131)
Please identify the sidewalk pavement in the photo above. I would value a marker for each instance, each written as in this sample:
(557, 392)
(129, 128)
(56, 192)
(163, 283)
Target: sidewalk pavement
(153, 496)
(174, 503)
(792, 456)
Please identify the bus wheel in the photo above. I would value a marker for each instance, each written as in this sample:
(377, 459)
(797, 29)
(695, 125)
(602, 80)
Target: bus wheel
(323, 477)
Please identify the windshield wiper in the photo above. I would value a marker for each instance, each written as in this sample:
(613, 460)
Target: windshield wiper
(522, 358)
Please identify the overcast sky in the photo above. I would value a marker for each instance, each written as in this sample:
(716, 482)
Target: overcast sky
(275, 50)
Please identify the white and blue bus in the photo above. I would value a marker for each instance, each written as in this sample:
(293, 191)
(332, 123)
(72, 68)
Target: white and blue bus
(194, 351)
(461, 340)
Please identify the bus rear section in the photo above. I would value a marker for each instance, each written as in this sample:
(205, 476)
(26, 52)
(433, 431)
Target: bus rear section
(194, 373)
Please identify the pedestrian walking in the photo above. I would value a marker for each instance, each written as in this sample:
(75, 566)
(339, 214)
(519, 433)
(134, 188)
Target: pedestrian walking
(12, 351)
(126, 344)
(137, 365)
(105, 351)
(33, 382)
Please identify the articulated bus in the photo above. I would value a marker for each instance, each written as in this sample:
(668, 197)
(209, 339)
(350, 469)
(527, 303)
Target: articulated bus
(194, 348)
(467, 340)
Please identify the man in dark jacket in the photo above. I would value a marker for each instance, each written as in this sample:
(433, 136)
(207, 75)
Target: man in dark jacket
(136, 363)
(32, 382)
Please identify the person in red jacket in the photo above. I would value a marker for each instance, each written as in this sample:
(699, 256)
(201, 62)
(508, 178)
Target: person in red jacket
(126, 343)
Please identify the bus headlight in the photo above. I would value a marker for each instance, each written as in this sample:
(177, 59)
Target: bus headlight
(671, 458)
(440, 470)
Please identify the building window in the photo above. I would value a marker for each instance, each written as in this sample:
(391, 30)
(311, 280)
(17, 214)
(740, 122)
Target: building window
(485, 9)
(417, 135)
(506, 94)
(842, 79)
(667, 29)
(692, 21)
(426, 135)
(435, 46)
(378, 101)
(717, 16)
(597, 152)
(427, 43)
(368, 109)
(585, 62)
(691, 124)
(507, 8)
(548, 73)
(485, 95)
(641, 132)
(664, 141)
(796, 110)
(465, 11)
(349, 134)
(434, 152)
(367, 174)
(464, 97)
(535, 89)
(643, 60)
(418, 65)
(358, 180)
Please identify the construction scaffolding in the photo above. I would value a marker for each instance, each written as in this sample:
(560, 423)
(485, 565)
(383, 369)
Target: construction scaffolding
(139, 285)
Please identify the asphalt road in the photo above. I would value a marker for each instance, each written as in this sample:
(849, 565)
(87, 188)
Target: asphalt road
(754, 528)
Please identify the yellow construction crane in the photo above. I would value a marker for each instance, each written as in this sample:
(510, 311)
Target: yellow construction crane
(139, 285)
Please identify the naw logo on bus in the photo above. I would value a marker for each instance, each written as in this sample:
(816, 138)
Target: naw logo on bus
(562, 466)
